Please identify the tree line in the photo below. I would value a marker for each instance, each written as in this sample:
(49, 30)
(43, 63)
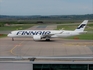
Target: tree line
(52, 17)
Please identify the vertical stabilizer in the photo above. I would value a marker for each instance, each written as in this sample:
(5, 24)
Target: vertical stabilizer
(82, 26)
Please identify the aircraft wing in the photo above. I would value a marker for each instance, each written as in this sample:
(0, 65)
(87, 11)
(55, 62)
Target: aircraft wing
(49, 35)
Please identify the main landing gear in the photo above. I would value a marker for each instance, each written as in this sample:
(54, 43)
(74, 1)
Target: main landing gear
(47, 39)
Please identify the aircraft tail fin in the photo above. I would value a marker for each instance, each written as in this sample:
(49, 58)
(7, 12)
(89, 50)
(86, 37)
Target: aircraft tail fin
(82, 26)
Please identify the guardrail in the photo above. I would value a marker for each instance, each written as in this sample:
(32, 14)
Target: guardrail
(31, 58)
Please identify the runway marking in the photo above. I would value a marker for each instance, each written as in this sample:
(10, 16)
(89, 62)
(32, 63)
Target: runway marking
(11, 51)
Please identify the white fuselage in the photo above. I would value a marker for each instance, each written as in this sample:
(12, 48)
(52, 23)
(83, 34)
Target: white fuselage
(47, 34)
(52, 33)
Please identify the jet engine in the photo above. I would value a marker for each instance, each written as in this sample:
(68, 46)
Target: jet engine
(37, 37)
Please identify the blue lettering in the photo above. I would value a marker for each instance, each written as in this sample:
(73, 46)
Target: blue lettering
(48, 32)
(33, 33)
(17, 33)
(40, 32)
(20, 32)
(23, 33)
(43, 33)
(36, 33)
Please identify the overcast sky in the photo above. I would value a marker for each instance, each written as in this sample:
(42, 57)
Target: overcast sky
(46, 7)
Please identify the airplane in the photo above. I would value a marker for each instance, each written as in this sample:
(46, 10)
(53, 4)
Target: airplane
(48, 34)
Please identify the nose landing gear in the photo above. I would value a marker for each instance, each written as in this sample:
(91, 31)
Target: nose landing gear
(12, 39)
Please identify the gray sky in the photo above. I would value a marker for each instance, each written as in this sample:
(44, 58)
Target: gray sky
(46, 7)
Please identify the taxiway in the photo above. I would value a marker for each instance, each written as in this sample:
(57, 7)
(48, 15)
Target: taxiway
(55, 47)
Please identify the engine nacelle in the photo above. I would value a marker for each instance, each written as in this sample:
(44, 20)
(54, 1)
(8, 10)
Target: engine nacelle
(36, 37)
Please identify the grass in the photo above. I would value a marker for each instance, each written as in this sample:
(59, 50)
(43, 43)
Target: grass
(87, 36)
(65, 27)
(3, 35)
(15, 27)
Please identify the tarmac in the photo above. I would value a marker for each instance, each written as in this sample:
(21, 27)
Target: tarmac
(56, 47)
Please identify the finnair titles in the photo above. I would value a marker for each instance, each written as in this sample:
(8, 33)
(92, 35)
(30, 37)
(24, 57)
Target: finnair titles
(48, 34)
(33, 33)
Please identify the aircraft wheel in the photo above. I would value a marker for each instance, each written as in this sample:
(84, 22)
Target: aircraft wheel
(47, 39)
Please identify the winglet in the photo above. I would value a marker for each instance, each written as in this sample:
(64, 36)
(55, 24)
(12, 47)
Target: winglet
(82, 26)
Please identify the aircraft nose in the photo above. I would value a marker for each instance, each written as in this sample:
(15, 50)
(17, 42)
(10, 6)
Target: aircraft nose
(8, 35)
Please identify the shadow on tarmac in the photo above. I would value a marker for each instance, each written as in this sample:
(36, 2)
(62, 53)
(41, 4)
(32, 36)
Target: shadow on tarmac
(35, 41)
(46, 41)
